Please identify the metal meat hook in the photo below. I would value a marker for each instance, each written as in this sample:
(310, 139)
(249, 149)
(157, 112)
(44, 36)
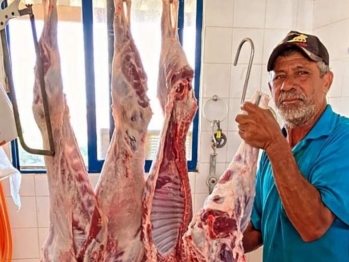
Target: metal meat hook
(249, 64)
(12, 11)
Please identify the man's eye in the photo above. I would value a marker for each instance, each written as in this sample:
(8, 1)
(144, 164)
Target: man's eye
(278, 77)
(302, 73)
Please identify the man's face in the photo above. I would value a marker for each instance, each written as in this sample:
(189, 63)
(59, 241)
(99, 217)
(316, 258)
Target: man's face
(298, 89)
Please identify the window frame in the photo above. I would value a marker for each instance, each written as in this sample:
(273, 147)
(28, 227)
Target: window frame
(95, 165)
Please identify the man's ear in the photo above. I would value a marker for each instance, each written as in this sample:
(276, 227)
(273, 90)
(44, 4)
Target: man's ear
(328, 79)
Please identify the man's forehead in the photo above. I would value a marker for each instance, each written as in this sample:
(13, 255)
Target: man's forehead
(293, 62)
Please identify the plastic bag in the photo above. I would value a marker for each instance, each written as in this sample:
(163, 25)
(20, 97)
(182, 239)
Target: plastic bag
(7, 170)
(8, 130)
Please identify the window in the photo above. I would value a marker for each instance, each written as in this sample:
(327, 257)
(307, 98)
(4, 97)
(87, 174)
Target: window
(85, 38)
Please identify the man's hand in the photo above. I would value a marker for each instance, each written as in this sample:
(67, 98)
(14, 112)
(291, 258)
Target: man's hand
(258, 127)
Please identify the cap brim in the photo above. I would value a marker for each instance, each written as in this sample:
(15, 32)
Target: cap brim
(285, 46)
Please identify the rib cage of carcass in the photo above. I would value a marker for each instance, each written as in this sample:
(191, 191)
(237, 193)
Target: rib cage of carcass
(167, 208)
(215, 232)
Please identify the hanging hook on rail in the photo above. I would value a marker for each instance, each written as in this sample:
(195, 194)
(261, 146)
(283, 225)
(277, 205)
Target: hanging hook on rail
(249, 64)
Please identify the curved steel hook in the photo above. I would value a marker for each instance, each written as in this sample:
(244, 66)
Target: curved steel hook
(249, 64)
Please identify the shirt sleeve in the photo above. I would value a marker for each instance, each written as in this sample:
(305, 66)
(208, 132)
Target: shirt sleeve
(256, 214)
(330, 174)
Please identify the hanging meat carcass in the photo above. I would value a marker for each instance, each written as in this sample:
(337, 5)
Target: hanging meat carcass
(167, 198)
(77, 230)
(215, 232)
(119, 189)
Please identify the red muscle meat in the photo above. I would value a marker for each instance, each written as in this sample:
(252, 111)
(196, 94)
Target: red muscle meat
(119, 189)
(167, 198)
(77, 230)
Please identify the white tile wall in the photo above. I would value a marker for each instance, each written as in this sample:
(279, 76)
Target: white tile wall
(336, 37)
(305, 16)
(214, 80)
(226, 23)
(340, 105)
(327, 12)
(218, 43)
(281, 14)
(25, 243)
(249, 15)
(28, 208)
(345, 83)
(218, 13)
(331, 24)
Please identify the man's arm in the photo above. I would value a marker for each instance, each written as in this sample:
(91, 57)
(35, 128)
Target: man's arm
(252, 238)
(310, 206)
(301, 200)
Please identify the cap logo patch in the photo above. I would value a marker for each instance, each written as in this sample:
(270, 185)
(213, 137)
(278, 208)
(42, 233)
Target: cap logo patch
(299, 38)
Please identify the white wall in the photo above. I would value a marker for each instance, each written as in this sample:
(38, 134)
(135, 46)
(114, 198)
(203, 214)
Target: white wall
(226, 23)
(331, 24)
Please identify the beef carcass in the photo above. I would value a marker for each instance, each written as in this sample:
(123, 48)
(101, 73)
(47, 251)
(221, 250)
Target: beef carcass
(167, 198)
(120, 187)
(77, 230)
(215, 232)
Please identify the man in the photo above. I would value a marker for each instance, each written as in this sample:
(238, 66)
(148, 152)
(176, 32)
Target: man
(301, 207)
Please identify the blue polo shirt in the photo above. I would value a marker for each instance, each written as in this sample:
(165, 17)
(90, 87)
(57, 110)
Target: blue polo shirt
(323, 159)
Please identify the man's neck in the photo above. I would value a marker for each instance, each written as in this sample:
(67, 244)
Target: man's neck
(296, 134)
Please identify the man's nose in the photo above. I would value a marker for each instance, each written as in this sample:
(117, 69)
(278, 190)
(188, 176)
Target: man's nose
(288, 84)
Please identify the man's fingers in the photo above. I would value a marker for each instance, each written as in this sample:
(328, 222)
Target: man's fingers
(246, 136)
(242, 134)
(249, 107)
(242, 119)
(242, 128)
